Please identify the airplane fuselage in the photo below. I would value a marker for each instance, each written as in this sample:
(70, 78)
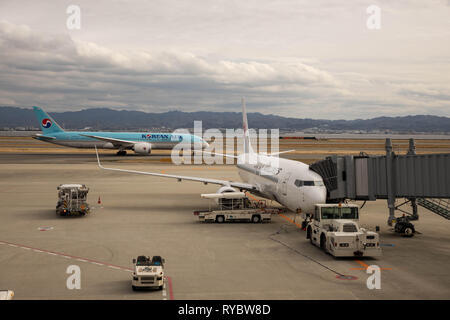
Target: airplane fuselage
(289, 182)
(78, 139)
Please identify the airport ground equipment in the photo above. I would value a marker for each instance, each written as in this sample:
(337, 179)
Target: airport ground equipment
(72, 200)
(234, 206)
(6, 294)
(148, 272)
(404, 227)
(419, 179)
(335, 228)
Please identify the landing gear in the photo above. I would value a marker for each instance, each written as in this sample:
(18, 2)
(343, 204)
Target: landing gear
(121, 152)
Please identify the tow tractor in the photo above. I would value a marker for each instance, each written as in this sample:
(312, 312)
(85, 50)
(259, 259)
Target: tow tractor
(72, 200)
(148, 272)
(335, 229)
(234, 206)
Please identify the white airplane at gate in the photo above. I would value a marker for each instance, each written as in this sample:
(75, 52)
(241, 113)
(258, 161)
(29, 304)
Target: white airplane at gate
(291, 183)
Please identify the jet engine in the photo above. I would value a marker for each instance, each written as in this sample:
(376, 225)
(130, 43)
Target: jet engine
(227, 204)
(226, 189)
(143, 148)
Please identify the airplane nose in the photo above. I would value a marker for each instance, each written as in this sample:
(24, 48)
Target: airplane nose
(317, 195)
(321, 195)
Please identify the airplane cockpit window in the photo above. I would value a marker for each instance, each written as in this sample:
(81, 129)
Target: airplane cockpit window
(308, 183)
(298, 183)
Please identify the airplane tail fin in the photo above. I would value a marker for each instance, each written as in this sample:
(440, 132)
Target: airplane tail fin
(247, 146)
(46, 123)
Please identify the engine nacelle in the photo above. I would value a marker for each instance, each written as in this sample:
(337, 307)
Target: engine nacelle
(226, 189)
(144, 148)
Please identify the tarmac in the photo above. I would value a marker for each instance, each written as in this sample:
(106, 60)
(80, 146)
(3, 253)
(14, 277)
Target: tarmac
(142, 215)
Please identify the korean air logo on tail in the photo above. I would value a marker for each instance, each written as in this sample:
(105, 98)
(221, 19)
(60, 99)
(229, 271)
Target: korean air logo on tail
(46, 123)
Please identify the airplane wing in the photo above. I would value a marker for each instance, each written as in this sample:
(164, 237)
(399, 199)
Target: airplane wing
(277, 153)
(115, 142)
(218, 154)
(239, 185)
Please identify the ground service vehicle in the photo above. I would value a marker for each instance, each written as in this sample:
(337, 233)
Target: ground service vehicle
(148, 273)
(404, 227)
(6, 294)
(234, 206)
(335, 229)
(72, 200)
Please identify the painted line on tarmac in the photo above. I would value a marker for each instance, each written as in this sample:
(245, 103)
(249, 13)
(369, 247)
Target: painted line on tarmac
(98, 263)
(164, 292)
(67, 256)
(290, 220)
(169, 280)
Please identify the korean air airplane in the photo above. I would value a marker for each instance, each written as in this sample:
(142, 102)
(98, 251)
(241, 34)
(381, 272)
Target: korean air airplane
(140, 142)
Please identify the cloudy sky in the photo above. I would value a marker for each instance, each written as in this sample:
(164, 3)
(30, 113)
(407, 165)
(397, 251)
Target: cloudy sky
(308, 59)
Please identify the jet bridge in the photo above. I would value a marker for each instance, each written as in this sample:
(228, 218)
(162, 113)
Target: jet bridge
(420, 179)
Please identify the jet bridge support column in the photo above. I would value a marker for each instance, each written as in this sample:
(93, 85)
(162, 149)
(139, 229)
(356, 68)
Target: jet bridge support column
(389, 181)
(412, 152)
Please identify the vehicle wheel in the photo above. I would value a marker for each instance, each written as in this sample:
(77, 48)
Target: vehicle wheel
(134, 288)
(256, 218)
(220, 219)
(408, 232)
(323, 242)
(160, 287)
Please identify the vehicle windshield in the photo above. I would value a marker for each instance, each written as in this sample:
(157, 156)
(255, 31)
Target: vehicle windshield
(339, 213)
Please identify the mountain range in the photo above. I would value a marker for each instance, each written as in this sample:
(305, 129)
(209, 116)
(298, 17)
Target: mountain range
(108, 119)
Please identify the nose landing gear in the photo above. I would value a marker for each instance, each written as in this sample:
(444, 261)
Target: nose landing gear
(121, 152)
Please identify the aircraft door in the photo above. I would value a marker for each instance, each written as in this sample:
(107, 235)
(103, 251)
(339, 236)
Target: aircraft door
(284, 183)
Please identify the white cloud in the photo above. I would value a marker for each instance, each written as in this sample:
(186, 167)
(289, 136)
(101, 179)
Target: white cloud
(295, 58)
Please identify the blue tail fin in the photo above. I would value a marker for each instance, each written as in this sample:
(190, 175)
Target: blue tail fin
(46, 123)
